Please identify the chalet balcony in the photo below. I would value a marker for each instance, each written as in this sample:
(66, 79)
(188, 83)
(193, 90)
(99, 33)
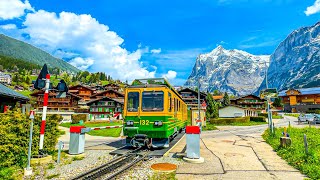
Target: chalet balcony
(81, 110)
(244, 102)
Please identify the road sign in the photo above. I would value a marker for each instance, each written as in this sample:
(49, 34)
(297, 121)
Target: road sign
(31, 114)
(204, 104)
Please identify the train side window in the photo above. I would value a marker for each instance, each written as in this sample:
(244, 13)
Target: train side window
(170, 102)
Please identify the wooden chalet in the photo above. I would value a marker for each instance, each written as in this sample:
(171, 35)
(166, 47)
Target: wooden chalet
(301, 100)
(9, 98)
(249, 102)
(82, 91)
(68, 103)
(105, 108)
(108, 93)
(190, 97)
(115, 87)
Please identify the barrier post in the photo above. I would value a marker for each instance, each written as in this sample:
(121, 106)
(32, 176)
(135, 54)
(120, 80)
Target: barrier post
(193, 145)
(44, 114)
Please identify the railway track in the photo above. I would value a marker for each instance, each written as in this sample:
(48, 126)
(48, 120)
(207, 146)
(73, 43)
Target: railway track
(114, 167)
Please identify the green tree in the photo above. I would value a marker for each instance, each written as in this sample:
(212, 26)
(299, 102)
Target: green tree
(1, 68)
(28, 80)
(226, 99)
(277, 102)
(212, 107)
(216, 92)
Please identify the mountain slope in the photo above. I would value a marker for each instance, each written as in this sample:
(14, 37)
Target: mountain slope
(21, 50)
(296, 61)
(232, 71)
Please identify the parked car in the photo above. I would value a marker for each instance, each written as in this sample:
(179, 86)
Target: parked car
(309, 117)
(302, 118)
(317, 118)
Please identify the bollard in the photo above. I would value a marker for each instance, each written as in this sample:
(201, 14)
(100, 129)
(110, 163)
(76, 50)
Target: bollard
(59, 151)
(193, 145)
(77, 140)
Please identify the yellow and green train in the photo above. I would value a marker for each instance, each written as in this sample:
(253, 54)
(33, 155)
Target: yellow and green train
(154, 113)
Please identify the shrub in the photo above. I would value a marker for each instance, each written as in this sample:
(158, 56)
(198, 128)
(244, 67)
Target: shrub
(258, 119)
(77, 117)
(14, 137)
(318, 111)
(229, 120)
(263, 114)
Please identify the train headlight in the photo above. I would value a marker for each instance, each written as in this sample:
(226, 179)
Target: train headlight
(129, 123)
(158, 123)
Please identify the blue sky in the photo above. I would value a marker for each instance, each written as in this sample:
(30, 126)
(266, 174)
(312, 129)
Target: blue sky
(134, 39)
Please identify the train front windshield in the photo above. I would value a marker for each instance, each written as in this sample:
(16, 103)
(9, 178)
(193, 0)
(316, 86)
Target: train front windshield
(133, 101)
(152, 101)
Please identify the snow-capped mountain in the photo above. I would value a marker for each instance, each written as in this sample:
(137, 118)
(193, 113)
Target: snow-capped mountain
(296, 61)
(233, 71)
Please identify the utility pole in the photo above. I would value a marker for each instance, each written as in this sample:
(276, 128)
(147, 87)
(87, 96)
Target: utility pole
(199, 116)
(268, 101)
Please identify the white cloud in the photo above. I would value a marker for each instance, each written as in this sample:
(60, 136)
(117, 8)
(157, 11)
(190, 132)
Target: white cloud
(10, 9)
(315, 8)
(95, 47)
(8, 27)
(156, 51)
(170, 75)
(81, 63)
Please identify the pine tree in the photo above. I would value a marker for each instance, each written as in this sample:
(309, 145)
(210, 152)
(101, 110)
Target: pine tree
(277, 102)
(226, 99)
(212, 107)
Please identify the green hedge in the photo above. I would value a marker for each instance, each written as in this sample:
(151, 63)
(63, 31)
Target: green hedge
(77, 117)
(263, 114)
(14, 138)
(229, 120)
(258, 119)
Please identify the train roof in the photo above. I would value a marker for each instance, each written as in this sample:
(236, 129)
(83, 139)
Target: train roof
(152, 82)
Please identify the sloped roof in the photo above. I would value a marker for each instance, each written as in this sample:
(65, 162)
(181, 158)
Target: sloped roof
(104, 98)
(100, 93)
(303, 91)
(6, 91)
(89, 88)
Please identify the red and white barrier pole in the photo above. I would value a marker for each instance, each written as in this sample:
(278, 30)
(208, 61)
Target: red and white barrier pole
(44, 112)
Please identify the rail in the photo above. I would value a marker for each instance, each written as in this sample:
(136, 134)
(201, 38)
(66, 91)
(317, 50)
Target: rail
(114, 167)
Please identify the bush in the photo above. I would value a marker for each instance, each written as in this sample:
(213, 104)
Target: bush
(14, 137)
(77, 117)
(229, 120)
(258, 119)
(318, 111)
(263, 114)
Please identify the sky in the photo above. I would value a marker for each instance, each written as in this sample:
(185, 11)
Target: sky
(142, 38)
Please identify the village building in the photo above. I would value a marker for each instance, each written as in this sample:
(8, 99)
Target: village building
(9, 98)
(108, 93)
(105, 108)
(301, 100)
(5, 78)
(249, 102)
(236, 111)
(82, 91)
(56, 103)
(112, 86)
(190, 97)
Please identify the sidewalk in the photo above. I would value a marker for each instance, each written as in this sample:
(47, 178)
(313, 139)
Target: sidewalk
(229, 156)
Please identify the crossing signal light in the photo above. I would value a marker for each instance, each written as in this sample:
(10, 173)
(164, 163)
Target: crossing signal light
(41, 80)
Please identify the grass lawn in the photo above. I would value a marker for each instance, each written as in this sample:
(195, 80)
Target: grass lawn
(67, 125)
(209, 127)
(308, 164)
(293, 115)
(114, 132)
(277, 117)
(250, 123)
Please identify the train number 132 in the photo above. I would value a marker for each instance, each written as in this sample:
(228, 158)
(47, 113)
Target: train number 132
(144, 122)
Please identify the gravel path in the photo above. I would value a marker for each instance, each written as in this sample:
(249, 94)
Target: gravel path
(70, 167)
